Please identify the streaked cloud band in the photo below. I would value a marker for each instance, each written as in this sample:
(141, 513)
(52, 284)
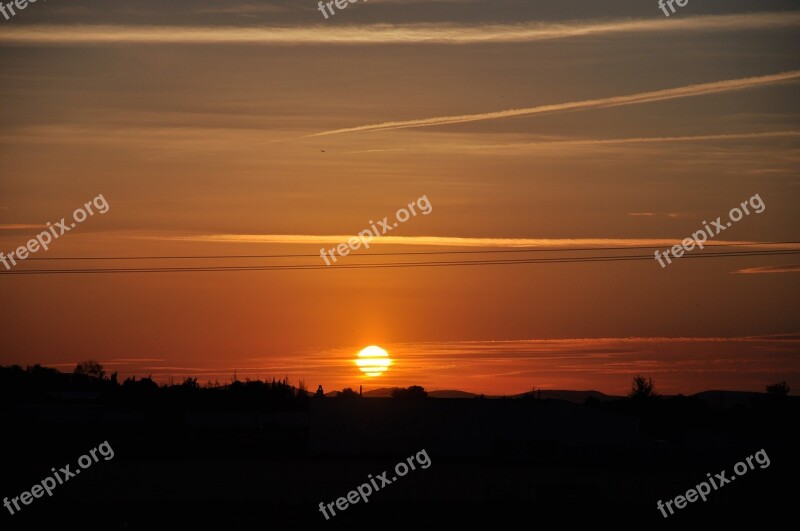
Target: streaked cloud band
(448, 241)
(791, 268)
(384, 33)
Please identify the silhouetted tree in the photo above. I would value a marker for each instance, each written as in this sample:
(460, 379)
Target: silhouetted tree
(347, 392)
(642, 388)
(90, 368)
(415, 392)
(320, 393)
(778, 389)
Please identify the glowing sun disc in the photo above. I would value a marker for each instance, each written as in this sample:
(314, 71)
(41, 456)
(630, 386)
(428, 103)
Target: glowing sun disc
(373, 361)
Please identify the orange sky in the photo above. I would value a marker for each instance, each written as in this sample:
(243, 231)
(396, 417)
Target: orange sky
(259, 128)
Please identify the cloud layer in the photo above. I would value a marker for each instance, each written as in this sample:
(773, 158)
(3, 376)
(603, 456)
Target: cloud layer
(384, 33)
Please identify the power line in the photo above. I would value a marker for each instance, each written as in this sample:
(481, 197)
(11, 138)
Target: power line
(291, 267)
(248, 256)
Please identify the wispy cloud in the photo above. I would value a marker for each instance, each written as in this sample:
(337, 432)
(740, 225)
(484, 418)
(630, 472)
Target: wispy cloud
(701, 89)
(383, 33)
(791, 268)
(429, 2)
(134, 360)
(441, 241)
(656, 214)
(243, 9)
(21, 226)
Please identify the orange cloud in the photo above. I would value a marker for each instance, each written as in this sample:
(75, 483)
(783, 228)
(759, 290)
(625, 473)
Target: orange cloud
(791, 268)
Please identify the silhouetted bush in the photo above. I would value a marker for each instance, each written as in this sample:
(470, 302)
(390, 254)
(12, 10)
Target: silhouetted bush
(415, 392)
(90, 368)
(779, 389)
(347, 392)
(642, 388)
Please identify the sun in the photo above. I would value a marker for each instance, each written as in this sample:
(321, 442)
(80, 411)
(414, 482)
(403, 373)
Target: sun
(373, 361)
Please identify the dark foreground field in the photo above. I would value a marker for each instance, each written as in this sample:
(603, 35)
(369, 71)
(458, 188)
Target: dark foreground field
(494, 463)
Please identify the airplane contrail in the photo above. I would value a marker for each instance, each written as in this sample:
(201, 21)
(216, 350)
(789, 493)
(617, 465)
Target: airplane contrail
(701, 89)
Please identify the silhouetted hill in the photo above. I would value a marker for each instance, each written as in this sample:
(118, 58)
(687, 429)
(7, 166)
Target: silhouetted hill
(578, 397)
(729, 399)
(383, 392)
(451, 393)
(386, 392)
(725, 399)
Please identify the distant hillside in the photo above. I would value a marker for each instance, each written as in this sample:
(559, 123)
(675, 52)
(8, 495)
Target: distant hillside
(386, 392)
(715, 399)
(729, 399)
(383, 392)
(570, 396)
(452, 394)
(578, 397)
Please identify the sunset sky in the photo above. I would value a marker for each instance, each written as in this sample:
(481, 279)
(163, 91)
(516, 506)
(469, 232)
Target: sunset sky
(260, 128)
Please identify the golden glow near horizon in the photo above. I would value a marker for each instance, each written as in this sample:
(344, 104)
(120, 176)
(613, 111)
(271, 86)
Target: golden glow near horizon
(373, 361)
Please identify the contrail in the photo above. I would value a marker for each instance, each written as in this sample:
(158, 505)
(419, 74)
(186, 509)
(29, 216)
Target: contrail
(551, 144)
(615, 101)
